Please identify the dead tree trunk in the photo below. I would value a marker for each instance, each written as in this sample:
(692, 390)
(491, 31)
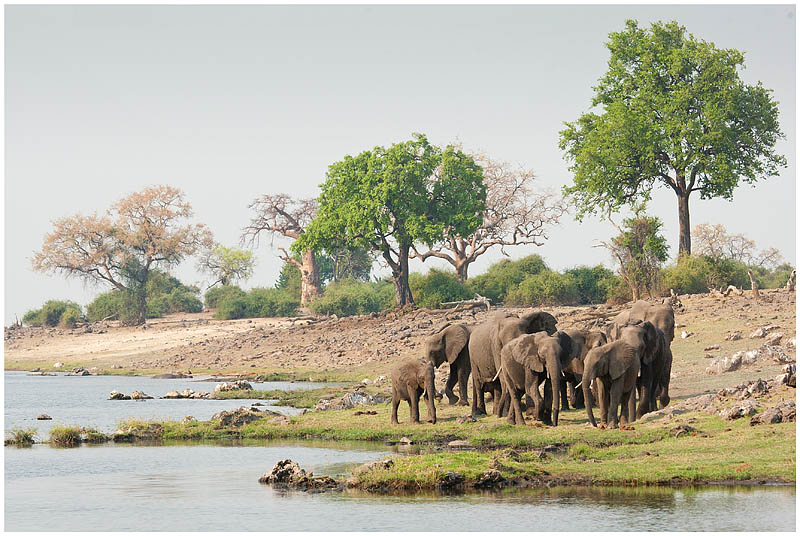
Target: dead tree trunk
(309, 280)
(791, 282)
(753, 284)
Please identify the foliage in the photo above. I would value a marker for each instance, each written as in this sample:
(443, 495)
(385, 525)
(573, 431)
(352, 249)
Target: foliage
(544, 288)
(51, 312)
(65, 436)
(775, 278)
(141, 232)
(216, 295)
(70, 318)
(593, 284)
(33, 318)
(21, 437)
(257, 303)
(435, 287)
(515, 214)
(715, 241)
(504, 276)
(695, 274)
(673, 112)
(387, 199)
(348, 297)
(639, 249)
(227, 264)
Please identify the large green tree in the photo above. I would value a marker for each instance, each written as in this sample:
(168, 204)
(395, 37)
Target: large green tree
(674, 112)
(387, 199)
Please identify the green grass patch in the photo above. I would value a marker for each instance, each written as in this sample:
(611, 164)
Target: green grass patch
(21, 437)
(65, 436)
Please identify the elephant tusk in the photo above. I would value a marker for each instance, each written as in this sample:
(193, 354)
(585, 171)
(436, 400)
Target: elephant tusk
(498, 373)
(579, 384)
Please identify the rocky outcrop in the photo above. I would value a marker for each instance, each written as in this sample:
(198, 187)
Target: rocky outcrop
(44, 417)
(238, 385)
(740, 409)
(490, 478)
(171, 376)
(116, 395)
(132, 432)
(241, 416)
(783, 412)
(349, 401)
(139, 395)
(288, 474)
(451, 480)
(188, 393)
(733, 362)
(79, 371)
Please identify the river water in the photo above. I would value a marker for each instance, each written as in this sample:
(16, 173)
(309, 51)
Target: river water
(214, 487)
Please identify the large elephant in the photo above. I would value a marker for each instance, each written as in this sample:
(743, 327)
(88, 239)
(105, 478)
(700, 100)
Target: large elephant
(615, 367)
(451, 345)
(528, 360)
(661, 315)
(583, 341)
(485, 344)
(410, 378)
(653, 381)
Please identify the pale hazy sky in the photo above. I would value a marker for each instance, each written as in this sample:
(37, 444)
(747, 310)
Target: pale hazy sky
(230, 102)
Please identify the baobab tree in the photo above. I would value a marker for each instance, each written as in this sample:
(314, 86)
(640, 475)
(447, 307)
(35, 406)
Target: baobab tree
(141, 232)
(282, 215)
(515, 214)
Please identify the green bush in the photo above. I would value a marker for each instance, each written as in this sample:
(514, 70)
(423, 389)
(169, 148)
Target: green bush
(184, 301)
(435, 287)
(504, 276)
(70, 318)
(258, 303)
(766, 278)
(33, 318)
(52, 311)
(215, 296)
(112, 305)
(696, 274)
(350, 297)
(65, 436)
(593, 283)
(232, 308)
(545, 288)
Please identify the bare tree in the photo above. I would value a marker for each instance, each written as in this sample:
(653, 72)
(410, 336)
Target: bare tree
(515, 214)
(714, 241)
(139, 233)
(282, 215)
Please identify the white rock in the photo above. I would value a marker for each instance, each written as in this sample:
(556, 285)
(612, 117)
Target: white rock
(686, 334)
(58, 365)
(759, 333)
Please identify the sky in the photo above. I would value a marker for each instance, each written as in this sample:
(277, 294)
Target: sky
(231, 102)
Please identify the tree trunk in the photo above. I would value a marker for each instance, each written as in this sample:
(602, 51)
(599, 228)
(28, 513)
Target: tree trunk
(141, 306)
(400, 277)
(461, 270)
(635, 293)
(309, 280)
(685, 240)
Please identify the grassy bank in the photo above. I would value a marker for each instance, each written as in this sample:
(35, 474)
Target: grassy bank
(691, 447)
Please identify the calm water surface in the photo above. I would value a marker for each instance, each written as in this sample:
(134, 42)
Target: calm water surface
(214, 487)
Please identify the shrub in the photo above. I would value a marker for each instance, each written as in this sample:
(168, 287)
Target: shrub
(504, 276)
(70, 318)
(65, 436)
(21, 437)
(115, 305)
(350, 297)
(593, 282)
(53, 309)
(184, 301)
(435, 287)
(214, 296)
(545, 288)
(765, 278)
(33, 318)
(232, 308)
(269, 302)
(695, 274)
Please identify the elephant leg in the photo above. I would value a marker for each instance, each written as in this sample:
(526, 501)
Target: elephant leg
(414, 403)
(614, 402)
(547, 403)
(478, 402)
(533, 393)
(602, 402)
(463, 378)
(515, 415)
(646, 399)
(564, 401)
(451, 381)
(395, 404)
(577, 400)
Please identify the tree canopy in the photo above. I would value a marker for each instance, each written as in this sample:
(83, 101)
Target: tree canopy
(388, 198)
(140, 232)
(673, 111)
(227, 264)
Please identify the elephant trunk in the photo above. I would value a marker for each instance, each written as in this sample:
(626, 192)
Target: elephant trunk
(586, 381)
(430, 393)
(554, 370)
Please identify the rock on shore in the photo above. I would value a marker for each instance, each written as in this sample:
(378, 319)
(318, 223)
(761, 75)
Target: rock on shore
(288, 474)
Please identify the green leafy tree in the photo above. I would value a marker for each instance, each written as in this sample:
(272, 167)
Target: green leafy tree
(640, 250)
(387, 199)
(227, 264)
(674, 112)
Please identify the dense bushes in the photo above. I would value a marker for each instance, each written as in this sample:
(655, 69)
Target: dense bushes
(349, 297)
(435, 287)
(504, 276)
(233, 302)
(54, 313)
(772, 278)
(545, 288)
(217, 295)
(696, 274)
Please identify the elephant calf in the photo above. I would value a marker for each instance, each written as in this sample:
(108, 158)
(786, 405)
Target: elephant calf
(410, 379)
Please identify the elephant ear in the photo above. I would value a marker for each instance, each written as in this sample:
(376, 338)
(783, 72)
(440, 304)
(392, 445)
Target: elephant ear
(620, 361)
(539, 321)
(651, 343)
(569, 350)
(611, 331)
(455, 339)
(525, 352)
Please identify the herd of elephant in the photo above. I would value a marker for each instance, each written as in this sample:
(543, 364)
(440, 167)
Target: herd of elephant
(513, 355)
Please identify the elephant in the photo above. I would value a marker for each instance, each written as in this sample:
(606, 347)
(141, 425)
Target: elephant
(451, 345)
(410, 378)
(653, 377)
(485, 344)
(525, 362)
(615, 367)
(583, 341)
(661, 315)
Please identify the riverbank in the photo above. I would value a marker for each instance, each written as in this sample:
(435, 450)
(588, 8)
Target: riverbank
(689, 442)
